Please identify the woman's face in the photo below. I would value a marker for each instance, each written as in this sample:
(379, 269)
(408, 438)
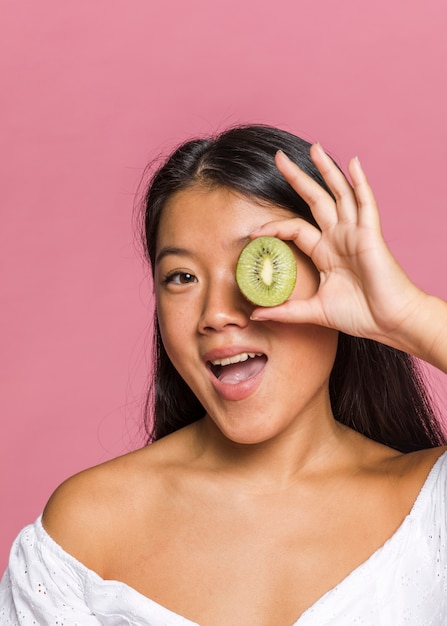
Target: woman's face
(255, 379)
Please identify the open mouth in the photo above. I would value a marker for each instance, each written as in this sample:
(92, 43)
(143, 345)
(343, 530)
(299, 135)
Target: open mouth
(238, 368)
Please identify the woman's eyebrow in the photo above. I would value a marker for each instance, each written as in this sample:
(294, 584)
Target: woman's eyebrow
(174, 250)
(167, 250)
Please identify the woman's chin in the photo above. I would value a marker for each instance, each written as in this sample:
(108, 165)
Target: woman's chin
(244, 432)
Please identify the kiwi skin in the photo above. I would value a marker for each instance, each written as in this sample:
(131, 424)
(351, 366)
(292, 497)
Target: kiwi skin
(266, 271)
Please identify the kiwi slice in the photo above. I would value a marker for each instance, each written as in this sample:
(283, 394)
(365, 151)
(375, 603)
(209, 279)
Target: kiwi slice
(266, 271)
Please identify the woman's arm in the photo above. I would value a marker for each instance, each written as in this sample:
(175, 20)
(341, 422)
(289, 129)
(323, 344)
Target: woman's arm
(363, 291)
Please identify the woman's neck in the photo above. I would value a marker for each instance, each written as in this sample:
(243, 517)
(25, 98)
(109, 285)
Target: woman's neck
(310, 446)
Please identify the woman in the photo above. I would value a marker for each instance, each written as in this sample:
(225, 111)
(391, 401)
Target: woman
(297, 474)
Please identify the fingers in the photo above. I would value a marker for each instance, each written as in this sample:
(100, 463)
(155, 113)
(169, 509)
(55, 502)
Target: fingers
(321, 204)
(368, 212)
(291, 312)
(354, 204)
(304, 235)
(346, 204)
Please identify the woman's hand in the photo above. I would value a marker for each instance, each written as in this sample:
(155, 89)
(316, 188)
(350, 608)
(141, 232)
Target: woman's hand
(363, 291)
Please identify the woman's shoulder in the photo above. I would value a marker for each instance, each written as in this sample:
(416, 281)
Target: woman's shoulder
(418, 465)
(89, 510)
(408, 474)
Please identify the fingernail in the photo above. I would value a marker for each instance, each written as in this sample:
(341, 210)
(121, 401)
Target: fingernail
(257, 318)
(282, 154)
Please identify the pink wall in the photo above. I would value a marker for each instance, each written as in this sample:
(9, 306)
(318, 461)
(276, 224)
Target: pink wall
(91, 90)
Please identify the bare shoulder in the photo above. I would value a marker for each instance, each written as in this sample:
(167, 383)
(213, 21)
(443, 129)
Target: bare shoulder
(89, 510)
(395, 478)
(410, 471)
(418, 464)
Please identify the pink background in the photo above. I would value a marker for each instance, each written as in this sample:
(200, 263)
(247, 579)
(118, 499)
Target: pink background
(93, 89)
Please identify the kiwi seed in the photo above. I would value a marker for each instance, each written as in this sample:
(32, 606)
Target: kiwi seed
(266, 271)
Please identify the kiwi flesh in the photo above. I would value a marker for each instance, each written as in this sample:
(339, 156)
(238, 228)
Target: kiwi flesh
(266, 271)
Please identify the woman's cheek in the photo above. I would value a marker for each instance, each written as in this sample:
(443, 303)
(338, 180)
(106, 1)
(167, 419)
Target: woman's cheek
(176, 329)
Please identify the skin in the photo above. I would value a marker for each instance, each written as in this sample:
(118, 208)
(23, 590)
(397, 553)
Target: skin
(251, 514)
(203, 316)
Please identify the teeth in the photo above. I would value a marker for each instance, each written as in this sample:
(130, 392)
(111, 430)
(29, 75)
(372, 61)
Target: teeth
(237, 358)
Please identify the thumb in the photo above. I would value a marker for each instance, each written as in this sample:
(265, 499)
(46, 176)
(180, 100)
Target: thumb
(291, 312)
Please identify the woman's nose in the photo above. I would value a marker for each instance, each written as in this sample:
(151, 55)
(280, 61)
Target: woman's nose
(224, 305)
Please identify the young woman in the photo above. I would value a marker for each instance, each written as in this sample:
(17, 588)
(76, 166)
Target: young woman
(296, 474)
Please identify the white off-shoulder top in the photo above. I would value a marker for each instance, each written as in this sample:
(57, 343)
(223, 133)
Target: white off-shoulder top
(404, 583)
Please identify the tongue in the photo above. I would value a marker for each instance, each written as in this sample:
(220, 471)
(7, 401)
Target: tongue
(238, 372)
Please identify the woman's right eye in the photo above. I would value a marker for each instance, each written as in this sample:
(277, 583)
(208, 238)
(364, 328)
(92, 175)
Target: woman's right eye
(180, 278)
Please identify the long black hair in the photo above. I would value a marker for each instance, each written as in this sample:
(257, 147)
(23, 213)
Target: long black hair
(377, 390)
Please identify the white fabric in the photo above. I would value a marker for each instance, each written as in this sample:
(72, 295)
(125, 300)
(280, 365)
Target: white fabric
(404, 583)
